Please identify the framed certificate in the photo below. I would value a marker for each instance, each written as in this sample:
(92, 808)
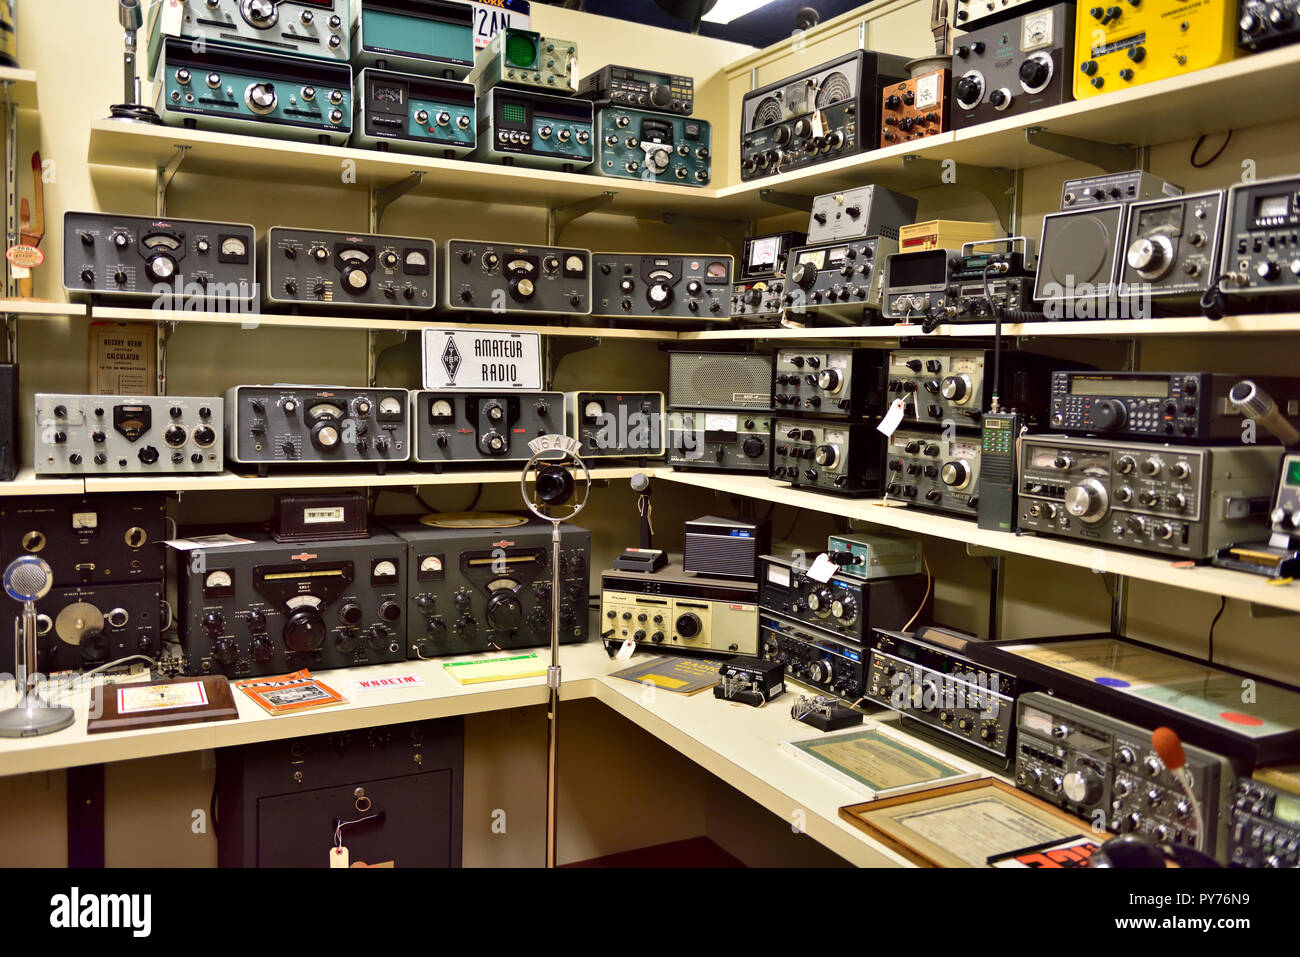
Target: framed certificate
(156, 704)
(875, 762)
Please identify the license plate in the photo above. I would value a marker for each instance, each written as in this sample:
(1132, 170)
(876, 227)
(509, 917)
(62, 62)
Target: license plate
(492, 16)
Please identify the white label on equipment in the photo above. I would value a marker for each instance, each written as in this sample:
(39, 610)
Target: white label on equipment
(893, 418)
(322, 516)
(493, 17)
(822, 569)
(468, 360)
(927, 90)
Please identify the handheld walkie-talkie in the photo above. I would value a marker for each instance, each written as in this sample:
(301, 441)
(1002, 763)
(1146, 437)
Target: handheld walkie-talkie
(999, 440)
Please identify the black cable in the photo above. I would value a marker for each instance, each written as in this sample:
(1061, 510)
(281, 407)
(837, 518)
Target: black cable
(1200, 141)
(1223, 603)
(1213, 302)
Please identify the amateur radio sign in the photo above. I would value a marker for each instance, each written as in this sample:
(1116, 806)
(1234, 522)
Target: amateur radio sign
(470, 360)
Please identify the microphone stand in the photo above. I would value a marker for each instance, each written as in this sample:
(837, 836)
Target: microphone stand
(31, 716)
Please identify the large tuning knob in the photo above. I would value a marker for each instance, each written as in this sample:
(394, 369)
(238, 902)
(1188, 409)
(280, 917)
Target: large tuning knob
(1107, 415)
(304, 631)
(260, 98)
(660, 295)
(504, 612)
(1082, 786)
(955, 474)
(1151, 256)
(1088, 501)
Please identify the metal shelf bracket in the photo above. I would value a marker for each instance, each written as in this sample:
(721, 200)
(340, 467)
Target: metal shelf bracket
(163, 179)
(1111, 158)
(558, 218)
(381, 197)
(555, 349)
(996, 183)
(788, 200)
(375, 348)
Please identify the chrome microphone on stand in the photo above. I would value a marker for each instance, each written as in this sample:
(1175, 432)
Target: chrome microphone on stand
(28, 579)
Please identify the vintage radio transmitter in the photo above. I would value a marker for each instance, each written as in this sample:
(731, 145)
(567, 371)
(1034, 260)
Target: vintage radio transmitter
(265, 608)
(653, 147)
(814, 657)
(719, 441)
(316, 425)
(846, 606)
(756, 295)
(617, 424)
(414, 114)
(482, 427)
(212, 86)
(89, 539)
(653, 286)
(1260, 253)
(915, 108)
(85, 626)
(757, 301)
(1079, 255)
(842, 457)
(950, 384)
(121, 434)
(670, 610)
(117, 257)
(720, 381)
(484, 277)
(822, 113)
(639, 89)
(1016, 67)
(838, 279)
(725, 547)
(1117, 47)
(524, 58)
(927, 676)
(974, 13)
(934, 470)
(937, 286)
(1265, 24)
(1164, 406)
(1106, 771)
(535, 129)
(1278, 556)
(858, 213)
(488, 588)
(1172, 247)
(332, 270)
(1264, 820)
(320, 517)
(875, 556)
(1127, 187)
(310, 28)
(954, 234)
(425, 37)
(833, 382)
(1187, 501)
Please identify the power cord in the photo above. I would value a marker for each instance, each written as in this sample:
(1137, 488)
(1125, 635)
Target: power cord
(1213, 302)
(1223, 603)
(1200, 141)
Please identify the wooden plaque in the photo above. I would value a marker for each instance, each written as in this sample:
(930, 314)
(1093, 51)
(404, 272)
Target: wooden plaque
(158, 704)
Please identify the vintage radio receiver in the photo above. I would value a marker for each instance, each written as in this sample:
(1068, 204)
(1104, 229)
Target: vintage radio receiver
(1186, 501)
(720, 381)
(1172, 247)
(527, 59)
(89, 539)
(858, 213)
(85, 626)
(484, 589)
(482, 427)
(937, 286)
(838, 279)
(426, 37)
(1127, 187)
(719, 441)
(756, 295)
(1117, 47)
(1278, 556)
(653, 286)
(950, 384)
(212, 86)
(915, 108)
(639, 89)
(316, 425)
(927, 676)
(758, 301)
(320, 517)
(265, 608)
(874, 556)
(1264, 820)
(653, 147)
(820, 114)
(1106, 771)
(974, 13)
(951, 234)
(814, 657)
(534, 129)
(934, 470)
(483, 277)
(1260, 253)
(310, 28)
(1015, 67)
(1163, 406)
(1079, 256)
(414, 114)
(669, 610)
(617, 424)
(847, 606)
(117, 257)
(833, 382)
(121, 434)
(842, 457)
(332, 270)
(1265, 24)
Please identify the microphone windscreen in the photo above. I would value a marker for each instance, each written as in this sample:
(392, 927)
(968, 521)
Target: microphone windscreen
(1166, 744)
(640, 482)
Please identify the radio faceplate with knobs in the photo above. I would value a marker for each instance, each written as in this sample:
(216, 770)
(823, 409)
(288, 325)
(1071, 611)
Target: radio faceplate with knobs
(523, 58)
(1127, 187)
(951, 384)
(934, 470)
(838, 279)
(1172, 246)
(1265, 24)
(843, 457)
(916, 108)
(309, 28)
(640, 89)
(845, 606)
(814, 657)
(534, 129)
(1261, 254)
(669, 610)
(858, 213)
(761, 277)
(487, 277)
(617, 424)
(332, 270)
(482, 589)
(975, 13)
(1106, 771)
(1186, 501)
(304, 425)
(1264, 820)
(655, 286)
(414, 114)
(829, 383)
(142, 258)
(425, 37)
(719, 441)
(90, 539)
(120, 434)
(482, 427)
(653, 147)
(266, 608)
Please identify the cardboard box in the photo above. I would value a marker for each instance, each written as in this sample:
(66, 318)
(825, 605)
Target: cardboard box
(123, 358)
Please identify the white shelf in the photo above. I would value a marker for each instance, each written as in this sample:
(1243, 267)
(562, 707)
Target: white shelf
(26, 482)
(20, 87)
(40, 308)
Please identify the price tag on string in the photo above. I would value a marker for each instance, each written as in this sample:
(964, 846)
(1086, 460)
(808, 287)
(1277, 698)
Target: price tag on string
(893, 418)
(339, 856)
(626, 650)
(822, 569)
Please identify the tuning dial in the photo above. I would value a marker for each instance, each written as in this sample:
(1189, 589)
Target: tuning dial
(955, 474)
(819, 602)
(957, 388)
(1107, 415)
(1082, 786)
(1151, 256)
(688, 625)
(304, 631)
(1088, 501)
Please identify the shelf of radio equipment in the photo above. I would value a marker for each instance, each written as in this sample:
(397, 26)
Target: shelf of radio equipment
(378, 323)
(19, 87)
(1157, 570)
